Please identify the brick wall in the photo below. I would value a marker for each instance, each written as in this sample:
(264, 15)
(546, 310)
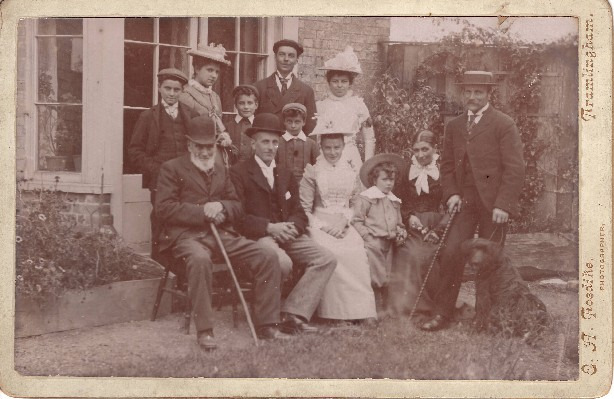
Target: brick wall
(323, 37)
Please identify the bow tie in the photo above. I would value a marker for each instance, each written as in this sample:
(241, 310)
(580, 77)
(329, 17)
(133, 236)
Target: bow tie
(421, 174)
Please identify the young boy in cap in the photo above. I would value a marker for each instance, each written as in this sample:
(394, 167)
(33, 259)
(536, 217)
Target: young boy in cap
(296, 150)
(283, 87)
(159, 135)
(246, 102)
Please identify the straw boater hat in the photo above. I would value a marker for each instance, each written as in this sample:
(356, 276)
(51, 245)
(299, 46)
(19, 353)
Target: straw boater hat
(172, 73)
(371, 163)
(211, 52)
(346, 61)
(201, 130)
(477, 78)
(328, 127)
(265, 123)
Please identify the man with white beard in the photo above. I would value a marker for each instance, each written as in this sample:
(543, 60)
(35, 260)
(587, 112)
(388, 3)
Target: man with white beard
(192, 192)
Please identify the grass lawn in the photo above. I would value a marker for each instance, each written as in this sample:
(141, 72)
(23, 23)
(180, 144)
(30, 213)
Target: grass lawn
(394, 349)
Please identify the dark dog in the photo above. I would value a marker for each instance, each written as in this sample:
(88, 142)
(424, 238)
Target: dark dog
(503, 302)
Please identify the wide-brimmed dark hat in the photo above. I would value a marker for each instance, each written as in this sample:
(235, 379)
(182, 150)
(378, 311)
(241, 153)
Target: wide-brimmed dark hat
(477, 78)
(289, 43)
(265, 123)
(201, 130)
(172, 73)
(244, 88)
(371, 163)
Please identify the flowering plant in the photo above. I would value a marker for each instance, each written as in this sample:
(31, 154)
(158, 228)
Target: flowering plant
(53, 256)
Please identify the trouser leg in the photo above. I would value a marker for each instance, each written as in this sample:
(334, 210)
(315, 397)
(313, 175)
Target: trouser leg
(197, 259)
(285, 263)
(319, 264)
(263, 264)
(155, 227)
(378, 249)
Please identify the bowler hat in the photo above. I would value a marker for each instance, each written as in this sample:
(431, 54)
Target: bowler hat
(172, 73)
(477, 78)
(372, 162)
(201, 130)
(245, 88)
(265, 123)
(289, 43)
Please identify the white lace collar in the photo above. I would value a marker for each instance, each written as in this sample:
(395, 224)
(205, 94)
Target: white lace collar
(375, 193)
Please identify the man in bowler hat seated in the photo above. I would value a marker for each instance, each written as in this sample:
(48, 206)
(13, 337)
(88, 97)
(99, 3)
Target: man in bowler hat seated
(194, 191)
(283, 87)
(274, 216)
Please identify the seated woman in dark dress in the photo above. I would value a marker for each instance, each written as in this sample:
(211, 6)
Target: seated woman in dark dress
(420, 192)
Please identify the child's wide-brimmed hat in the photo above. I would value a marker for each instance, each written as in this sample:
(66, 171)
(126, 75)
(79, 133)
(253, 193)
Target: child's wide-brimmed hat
(245, 88)
(328, 126)
(201, 130)
(346, 61)
(288, 43)
(477, 78)
(371, 163)
(295, 106)
(265, 123)
(211, 52)
(172, 73)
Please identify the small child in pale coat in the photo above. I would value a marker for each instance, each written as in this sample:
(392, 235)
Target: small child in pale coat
(377, 218)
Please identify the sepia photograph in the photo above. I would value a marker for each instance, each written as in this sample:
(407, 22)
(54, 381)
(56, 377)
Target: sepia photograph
(315, 197)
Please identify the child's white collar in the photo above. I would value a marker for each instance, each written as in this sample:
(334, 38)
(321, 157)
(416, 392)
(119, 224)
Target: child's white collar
(375, 193)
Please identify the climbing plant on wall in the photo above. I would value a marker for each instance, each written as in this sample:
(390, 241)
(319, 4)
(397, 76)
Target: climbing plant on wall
(401, 112)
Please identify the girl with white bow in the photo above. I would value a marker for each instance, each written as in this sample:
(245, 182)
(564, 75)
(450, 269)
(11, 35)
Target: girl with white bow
(420, 198)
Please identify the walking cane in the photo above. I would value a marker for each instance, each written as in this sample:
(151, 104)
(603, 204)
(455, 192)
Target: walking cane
(441, 242)
(234, 278)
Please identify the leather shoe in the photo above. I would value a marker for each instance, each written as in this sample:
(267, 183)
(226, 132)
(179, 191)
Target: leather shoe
(271, 332)
(436, 323)
(293, 324)
(205, 340)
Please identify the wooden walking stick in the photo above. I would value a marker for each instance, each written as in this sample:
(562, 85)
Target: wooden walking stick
(234, 278)
(441, 242)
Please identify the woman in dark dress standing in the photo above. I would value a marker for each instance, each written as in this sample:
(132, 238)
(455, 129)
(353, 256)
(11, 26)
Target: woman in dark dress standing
(420, 192)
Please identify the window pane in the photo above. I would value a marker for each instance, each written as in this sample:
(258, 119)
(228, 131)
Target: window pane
(60, 69)
(251, 68)
(222, 30)
(59, 134)
(130, 118)
(175, 31)
(225, 84)
(174, 57)
(138, 75)
(251, 35)
(140, 29)
(60, 26)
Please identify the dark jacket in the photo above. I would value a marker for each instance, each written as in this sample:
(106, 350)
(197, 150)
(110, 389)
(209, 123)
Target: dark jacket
(494, 151)
(182, 193)
(257, 196)
(145, 140)
(271, 100)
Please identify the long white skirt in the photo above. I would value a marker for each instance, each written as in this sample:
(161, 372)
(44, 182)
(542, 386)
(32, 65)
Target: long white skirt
(348, 295)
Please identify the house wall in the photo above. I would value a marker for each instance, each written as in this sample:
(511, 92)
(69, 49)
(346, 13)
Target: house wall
(323, 37)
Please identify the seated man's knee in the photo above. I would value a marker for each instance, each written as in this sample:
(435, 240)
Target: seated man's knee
(285, 264)
(198, 261)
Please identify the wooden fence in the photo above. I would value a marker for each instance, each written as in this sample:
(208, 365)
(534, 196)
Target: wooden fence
(558, 106)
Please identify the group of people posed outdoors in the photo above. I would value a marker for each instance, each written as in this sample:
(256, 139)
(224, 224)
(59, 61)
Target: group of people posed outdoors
(296, 205)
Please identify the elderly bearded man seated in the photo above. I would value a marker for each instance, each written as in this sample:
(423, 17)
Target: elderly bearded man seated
(194, 191)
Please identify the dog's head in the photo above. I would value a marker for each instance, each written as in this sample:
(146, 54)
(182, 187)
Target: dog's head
(481, 256)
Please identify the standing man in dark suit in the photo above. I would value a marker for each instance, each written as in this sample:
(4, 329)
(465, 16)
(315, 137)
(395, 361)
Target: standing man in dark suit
(482, 174)
(274, 217)
(194, 191)
(159, 135)
(282, 87)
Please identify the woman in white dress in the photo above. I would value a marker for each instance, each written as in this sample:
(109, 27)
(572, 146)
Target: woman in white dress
(342, 106)
(326, 191)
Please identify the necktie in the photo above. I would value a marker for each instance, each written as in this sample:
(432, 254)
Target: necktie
(171, 111)
(470, 123)
(284, 85)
